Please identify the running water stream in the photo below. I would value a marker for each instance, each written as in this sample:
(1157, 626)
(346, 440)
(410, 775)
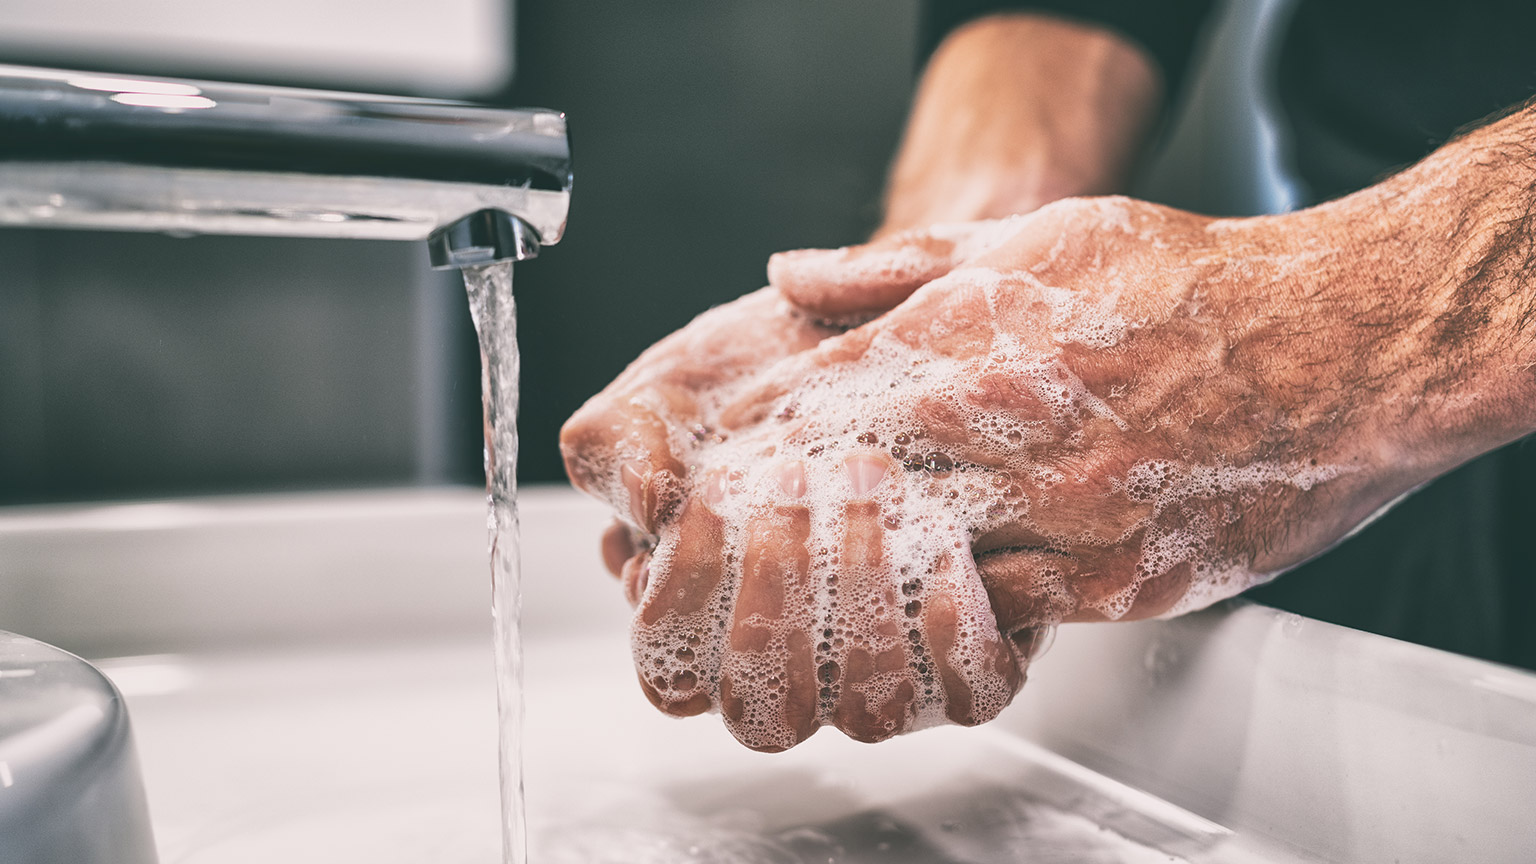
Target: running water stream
(495, 315)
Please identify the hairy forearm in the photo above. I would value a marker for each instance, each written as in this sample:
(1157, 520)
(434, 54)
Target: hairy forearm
(1015, 111)
(1486, 295)
(1435, 283)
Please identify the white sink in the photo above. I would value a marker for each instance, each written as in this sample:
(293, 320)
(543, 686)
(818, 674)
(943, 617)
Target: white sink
(70, 789)
(387, 755)
(310, 680)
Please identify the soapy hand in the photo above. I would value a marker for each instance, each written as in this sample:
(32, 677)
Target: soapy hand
(626, 443)
(702, 636)
(1119, 409)
(1104, 410)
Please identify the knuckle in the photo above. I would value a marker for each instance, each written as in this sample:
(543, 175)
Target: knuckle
(1060, 213)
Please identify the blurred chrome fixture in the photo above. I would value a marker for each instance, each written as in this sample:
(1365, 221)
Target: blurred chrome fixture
(82, 150)
(70, 788)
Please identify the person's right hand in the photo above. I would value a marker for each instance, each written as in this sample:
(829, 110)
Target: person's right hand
(1117, 411)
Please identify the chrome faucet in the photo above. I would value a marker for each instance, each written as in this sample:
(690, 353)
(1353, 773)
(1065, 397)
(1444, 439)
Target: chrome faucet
(87, 150)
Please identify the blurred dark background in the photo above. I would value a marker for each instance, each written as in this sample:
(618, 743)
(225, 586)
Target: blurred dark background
(706, 136)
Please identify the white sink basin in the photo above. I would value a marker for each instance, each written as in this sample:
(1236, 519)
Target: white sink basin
(386, 755)
(319, 688)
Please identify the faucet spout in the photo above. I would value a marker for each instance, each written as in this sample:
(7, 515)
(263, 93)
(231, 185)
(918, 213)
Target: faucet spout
(82, 150)
(481, 238)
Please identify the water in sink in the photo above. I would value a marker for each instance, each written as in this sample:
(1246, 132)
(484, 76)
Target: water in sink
(977, 824)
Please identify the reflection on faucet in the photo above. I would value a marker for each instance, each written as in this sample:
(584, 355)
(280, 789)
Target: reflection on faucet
(79, 150)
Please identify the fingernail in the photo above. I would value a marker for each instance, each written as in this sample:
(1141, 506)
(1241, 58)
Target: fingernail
(618, 546)
(788, 265)
(865, 473)
(715, 487)
(634, 476)
(791, 477)
(636, 576)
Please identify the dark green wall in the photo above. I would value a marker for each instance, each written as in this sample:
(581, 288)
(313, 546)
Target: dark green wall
(707, 135)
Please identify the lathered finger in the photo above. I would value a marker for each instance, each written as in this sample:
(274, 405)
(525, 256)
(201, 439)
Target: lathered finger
(621, 451)
(618, 545)
(679, 629)
(861, 281)
(635, 577)
(1029, 588)
(876, 690)
(977, 668)
(768, 676)
(627, 445)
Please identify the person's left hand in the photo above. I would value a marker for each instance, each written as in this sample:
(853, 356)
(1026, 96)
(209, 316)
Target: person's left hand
(628, 445)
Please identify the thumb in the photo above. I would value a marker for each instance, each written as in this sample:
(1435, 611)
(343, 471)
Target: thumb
(859, 282)
(1029, 589)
